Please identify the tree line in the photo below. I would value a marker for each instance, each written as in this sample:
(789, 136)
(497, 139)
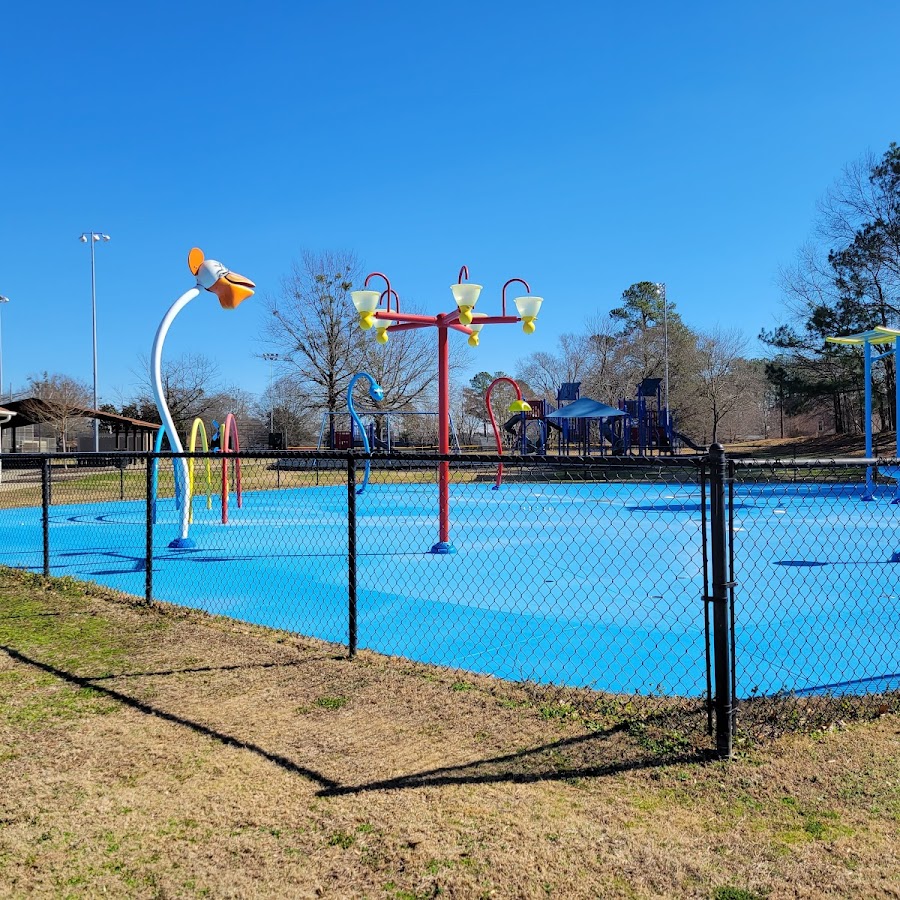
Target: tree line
(313, 332)
(314, 346)
(845, 280)
(716, 392)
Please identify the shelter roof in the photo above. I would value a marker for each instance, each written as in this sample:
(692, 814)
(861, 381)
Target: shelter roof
(34, 410)
(878, 335)
(585, 408)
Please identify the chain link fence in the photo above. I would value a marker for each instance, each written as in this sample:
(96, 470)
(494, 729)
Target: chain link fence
(728, 596)
(818, 601)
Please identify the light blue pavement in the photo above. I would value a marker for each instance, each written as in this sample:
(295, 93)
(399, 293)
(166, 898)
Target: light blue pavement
(594, 585)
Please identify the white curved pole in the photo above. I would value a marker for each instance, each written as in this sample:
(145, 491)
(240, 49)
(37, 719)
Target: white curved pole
(165, 415)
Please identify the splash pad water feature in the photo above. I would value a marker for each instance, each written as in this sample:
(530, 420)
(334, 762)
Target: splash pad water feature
(231, 289)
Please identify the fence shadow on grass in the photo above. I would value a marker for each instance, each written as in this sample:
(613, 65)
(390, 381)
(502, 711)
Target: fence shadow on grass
(548, 761)
(196, 670)
(33, 615)
(228, 740)
(509, 767)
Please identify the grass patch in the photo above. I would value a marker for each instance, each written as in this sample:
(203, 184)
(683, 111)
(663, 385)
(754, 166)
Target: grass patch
(49, 707)
(560, 712)
(659, 741)
(727, 892)
(199, 764)
(331, 702)
(342, 839)
(53, 617)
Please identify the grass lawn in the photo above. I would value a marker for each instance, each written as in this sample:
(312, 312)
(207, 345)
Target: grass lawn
(72, 485)
(157, 753)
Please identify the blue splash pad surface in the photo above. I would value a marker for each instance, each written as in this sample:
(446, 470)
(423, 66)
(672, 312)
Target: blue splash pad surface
(595, 585)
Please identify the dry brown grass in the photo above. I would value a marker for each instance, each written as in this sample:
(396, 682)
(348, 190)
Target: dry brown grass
(828, 446)
(152, 753)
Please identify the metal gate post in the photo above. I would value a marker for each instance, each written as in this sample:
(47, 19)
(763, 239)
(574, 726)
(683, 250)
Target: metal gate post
(148, 533)
(45, 512)
(720, 584)
(706, 629)
(351, 554)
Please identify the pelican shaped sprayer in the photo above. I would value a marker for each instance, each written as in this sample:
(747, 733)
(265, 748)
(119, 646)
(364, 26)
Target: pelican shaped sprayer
(376, 392)
(231, 289)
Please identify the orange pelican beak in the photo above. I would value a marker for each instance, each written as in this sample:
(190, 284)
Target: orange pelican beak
(229, 287)
(232, 289)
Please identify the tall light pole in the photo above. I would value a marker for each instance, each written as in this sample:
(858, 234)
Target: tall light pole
(2, 300)
(661, 290)
(93, 237)
(270, 358)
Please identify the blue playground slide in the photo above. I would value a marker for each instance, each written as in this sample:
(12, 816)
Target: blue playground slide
(615, 440)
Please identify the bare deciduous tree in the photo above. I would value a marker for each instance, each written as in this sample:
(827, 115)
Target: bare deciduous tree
(61, 399)
(846, 281)
(406, 367)
(572, 361)
(286, 404)
(314, 328)
(723, 373)
(190, 384)
(313, 325)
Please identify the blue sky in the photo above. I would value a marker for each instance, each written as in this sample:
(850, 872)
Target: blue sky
(582, 146)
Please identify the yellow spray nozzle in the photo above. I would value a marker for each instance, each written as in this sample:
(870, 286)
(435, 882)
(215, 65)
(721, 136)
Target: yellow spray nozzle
(465, 315)
(366, 321)
(473, 339)
(381, 335)
(528, 325)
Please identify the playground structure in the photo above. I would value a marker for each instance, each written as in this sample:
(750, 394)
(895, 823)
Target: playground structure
(867, 340)
(641, 425)
(231, 289)
(649, 423)
(466, 294)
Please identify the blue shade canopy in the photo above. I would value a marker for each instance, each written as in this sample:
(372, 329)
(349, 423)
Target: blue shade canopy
(585, 408)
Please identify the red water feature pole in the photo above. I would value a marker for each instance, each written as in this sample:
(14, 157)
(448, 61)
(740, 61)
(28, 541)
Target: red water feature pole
(443, 438)
(487, 400)
(521, 281)
(387, 281)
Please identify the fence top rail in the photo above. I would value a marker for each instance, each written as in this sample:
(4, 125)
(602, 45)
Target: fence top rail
(397, 458)
(849, 462)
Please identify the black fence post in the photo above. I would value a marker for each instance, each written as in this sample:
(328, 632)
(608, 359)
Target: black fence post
(351, 553)
(706, 598)
(720, 585)
(45, 511)
(148, 532)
